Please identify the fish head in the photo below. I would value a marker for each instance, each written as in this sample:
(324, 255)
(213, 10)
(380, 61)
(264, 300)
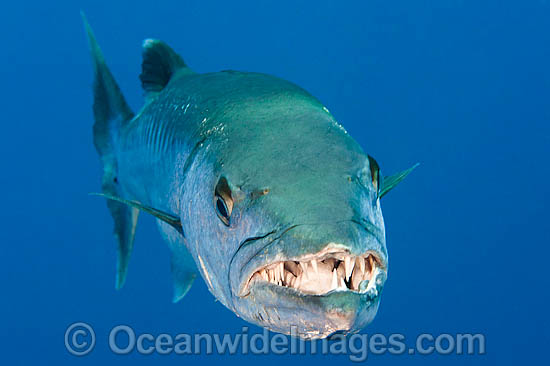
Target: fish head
(320, 263)
(288, 230)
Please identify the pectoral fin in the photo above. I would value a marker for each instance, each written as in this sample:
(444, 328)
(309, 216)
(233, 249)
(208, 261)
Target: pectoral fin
(389, 182)
(170, 219)
(184, 272)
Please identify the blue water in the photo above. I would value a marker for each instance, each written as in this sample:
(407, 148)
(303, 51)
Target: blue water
(463, 87)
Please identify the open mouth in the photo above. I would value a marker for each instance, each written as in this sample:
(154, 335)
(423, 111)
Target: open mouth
(322, 273)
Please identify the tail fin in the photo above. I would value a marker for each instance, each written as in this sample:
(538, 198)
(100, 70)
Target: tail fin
(111, 112)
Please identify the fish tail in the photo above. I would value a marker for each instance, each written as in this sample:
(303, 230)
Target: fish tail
(111, 112)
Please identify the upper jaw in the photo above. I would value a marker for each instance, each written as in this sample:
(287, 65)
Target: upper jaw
(332, 269)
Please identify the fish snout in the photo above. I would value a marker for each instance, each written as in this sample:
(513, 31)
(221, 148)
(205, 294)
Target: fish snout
(316, 279)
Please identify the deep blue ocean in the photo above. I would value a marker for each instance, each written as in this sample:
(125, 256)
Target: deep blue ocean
(463, 87)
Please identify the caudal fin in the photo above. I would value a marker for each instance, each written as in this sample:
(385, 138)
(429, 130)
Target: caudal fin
(111, 112)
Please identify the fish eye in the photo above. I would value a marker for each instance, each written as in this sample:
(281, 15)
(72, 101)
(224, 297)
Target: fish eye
(223, 201)
(222, 210)
(375, 173)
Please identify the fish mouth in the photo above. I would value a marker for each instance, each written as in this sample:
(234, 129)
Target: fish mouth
(333, 269)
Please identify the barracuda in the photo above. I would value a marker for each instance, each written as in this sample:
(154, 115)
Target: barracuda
(255, 186)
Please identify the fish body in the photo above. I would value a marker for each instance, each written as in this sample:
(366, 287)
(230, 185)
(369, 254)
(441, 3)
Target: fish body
(255, 186)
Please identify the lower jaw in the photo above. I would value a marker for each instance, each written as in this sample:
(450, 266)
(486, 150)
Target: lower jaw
(288, 311)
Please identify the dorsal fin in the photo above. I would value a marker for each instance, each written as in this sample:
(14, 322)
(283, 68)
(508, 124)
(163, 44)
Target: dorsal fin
(159, 65)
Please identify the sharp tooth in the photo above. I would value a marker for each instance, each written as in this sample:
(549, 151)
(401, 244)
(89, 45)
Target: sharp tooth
(348, 263)
(371, 263)
(343, 284)
(271, 275)
(304, 268)
(278, 274)
(281, 269)
(356, 278)
(288, 278)
(341, 271)
(334, 279)
(314, 266)
(361, 261)
(263, 273)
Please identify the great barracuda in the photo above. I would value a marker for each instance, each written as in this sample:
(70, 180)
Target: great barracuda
(254, 184)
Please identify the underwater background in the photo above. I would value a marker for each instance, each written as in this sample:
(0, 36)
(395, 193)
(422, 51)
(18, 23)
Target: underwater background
(463, 87)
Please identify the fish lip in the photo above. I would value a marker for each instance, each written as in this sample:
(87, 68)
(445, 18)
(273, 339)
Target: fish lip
(331, 250)
(308, 316)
